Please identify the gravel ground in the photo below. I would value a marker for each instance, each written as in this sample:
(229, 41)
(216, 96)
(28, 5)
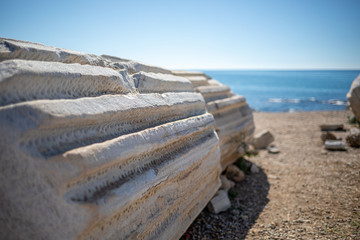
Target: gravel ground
(304, 192)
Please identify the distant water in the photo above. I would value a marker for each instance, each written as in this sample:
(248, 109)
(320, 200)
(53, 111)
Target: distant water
(288, 91)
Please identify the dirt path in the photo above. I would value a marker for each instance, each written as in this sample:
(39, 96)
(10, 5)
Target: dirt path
(304, 192)
(313, 193)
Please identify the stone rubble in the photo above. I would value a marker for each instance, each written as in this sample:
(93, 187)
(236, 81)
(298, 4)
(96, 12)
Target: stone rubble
(233, 173)
(354, 97)
(353, 138)
(254, 168)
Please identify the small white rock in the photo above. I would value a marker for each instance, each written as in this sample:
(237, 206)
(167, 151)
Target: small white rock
(220, 202)
(254, 168)
(335, 145)
(273, 150)
(263, 139)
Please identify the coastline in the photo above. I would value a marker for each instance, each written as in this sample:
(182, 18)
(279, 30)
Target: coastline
(302, 192)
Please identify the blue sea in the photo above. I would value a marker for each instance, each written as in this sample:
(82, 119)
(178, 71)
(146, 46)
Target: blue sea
(288, 91)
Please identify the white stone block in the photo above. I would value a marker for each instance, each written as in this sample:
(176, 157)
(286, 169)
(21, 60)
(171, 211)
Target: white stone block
(159, 83)
(220, 202)
(354, 97)
(91, 152)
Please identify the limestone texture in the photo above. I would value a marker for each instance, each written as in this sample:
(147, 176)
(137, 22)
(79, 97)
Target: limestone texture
(233, 116)
(97, 147)
(16, 49)
(354, 97)
(233, 173)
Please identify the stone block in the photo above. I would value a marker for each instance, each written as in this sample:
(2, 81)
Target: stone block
(226, 184)
(100, 152)
(336, 145)
(354, 97)
(263, 139)
(158, 83)
(332, 127)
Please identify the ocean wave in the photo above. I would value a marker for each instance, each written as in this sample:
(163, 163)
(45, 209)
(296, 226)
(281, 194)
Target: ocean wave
(337, 102)
(284, 100)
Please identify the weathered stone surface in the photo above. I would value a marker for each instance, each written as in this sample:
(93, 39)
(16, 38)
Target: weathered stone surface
(22, 80)
(16, 49)
(234, 121)
(90, 152)
(242, 150)
(335, 145)
(226, 184)
(354, 97)
(263, 139)
(220, 202)
(353, 137)
(234, 173)
(190, 74)
(159, 83)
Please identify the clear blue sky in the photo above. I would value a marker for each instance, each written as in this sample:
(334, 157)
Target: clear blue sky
(190, 34)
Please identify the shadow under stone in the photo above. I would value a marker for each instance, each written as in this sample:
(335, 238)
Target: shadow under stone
(248, 200)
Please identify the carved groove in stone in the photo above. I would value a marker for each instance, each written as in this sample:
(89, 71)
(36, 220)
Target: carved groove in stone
(68, 124)
(15, 49)
(30, 80)
(101, 185)
(234, 121)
